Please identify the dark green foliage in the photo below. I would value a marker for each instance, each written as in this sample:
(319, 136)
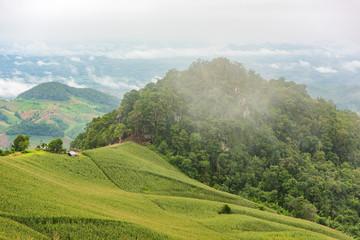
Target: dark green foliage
(6, 152)
(20, 143)
(87, 228)
(225, 209)
(56, 145)
(101, 131)
(4, 107)
(36, 129)
(3, 117)
(302, 208)
(61, 92)
(267, 140)
(61, 124)
(17, 115)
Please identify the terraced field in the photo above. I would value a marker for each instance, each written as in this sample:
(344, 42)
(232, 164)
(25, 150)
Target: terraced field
(128, 192)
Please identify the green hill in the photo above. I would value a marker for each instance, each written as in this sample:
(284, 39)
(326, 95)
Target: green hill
(52, 110)
(60, 92)
(226, 126)
(128, 192)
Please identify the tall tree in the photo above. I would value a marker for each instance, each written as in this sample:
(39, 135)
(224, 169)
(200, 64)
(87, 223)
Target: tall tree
(20, 143)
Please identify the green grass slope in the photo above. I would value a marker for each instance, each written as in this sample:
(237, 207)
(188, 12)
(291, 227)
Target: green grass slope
(127, 192)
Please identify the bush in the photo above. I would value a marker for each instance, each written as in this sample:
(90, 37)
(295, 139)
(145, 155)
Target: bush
(225, 209)
(301, 208)
(261, 207)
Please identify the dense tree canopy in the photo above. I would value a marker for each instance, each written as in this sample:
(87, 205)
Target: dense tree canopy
(56, 145)
(267, 140)
(20, 143)
(36, 129)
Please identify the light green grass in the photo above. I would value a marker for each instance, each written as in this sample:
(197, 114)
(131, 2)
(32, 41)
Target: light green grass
(136, 169)
(10, 229)
(75, 129)
(103, 197)
(25, 105)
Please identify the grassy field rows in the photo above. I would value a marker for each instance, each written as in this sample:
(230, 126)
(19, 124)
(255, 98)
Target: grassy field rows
(127, 192)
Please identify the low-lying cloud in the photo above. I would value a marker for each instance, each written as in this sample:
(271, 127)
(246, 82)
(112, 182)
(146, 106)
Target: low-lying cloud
(11, 88)
(23, 63)
(352, 66)
(325, 70)
(75, 59)
(41, 63)
(124, 51)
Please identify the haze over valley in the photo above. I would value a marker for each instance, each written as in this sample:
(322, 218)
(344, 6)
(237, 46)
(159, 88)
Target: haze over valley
(329, 71)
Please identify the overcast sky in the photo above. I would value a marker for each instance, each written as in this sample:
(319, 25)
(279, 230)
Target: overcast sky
(213, 22)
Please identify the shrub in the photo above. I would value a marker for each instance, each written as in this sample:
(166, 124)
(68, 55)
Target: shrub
(225, 209)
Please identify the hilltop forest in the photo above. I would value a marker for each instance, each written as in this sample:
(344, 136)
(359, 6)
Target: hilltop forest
(268, 141)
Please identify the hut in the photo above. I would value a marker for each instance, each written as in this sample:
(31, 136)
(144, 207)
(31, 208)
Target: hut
(71, 153)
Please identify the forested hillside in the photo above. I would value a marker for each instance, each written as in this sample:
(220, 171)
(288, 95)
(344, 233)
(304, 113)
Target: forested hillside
(266, 140)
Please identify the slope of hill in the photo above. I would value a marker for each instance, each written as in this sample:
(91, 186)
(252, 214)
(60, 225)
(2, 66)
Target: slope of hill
(231, 129)
(52, 110)
(109, 193)
(60, 92)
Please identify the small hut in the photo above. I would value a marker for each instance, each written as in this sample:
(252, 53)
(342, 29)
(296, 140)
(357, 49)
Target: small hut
(71, 153)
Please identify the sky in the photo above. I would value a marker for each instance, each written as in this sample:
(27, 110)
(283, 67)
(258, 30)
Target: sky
(307, 41)
(215, 22)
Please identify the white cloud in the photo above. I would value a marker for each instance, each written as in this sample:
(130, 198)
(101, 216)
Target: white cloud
(304, 63)
(123, 50)
(71, 82)
(155, 79)
(41, 63)
(23, 63)
(195, 52)
(274, 66)
(16, 72)
(351, 66)
(11, 88)
(108, 81)
(325, 70)
(75, 59)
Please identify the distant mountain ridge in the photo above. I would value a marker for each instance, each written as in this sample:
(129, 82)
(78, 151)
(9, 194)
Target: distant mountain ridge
(60, 92)
(50, 110)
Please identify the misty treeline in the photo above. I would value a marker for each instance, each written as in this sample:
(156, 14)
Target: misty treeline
(266, 140)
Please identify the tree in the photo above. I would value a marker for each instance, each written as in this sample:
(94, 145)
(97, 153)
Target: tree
(20, 143)
(303, 209)
(56, 145)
